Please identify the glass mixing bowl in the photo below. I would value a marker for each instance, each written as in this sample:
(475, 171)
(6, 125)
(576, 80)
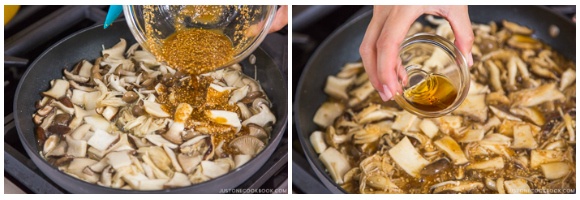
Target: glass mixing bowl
(245, 25)
(424, 55)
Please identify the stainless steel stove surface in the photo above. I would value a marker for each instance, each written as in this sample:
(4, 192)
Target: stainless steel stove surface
(311, 25)
(35, 28)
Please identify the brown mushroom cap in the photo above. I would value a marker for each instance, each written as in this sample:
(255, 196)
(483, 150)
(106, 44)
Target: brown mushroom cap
(247, 145)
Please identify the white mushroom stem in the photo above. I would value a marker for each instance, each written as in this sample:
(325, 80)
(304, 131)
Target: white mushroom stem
(555, 170)
(327, 113)
(407, 157)
(264, 117)
(517, 186)
(337, 87)
(58, 89)
(451, 149)
(488, 165)
(336, 164)
(403, 121)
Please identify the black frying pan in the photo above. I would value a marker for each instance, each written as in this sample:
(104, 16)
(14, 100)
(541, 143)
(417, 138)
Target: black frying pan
(342, 47)
(86, 44)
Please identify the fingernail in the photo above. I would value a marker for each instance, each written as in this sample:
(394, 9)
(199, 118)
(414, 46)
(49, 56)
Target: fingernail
(387, 94)
(383, 96)
(470, 59)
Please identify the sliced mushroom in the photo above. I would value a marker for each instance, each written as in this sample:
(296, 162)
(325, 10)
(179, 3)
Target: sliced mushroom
(451, 149)
(336, 164)
(474, 107)
(229, 118)
(101, 140)
(517, 186)
(536, 96)
(76, 148)
(247, 145)
(428, 127)
(214, 169)
(182, 113)
(258, 132)
(159, 141)
(555, 170)
(407, 157)
(360, 93)
(539, 157)
(568, 77)
(327, 113)
(189, 162)
(154, 109)
(263, 118)
(456, 186)
(337, 87)
(317, 141)
(58, 90)
(178, 180)
(488, 165)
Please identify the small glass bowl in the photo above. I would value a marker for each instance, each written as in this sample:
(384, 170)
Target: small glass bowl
(424, 54)
(245, 25)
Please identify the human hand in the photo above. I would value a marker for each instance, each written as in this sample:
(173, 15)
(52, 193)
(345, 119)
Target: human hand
(386, 32)
(280, 20)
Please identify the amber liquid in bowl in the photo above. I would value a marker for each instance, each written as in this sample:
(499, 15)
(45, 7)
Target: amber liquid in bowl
(434, 93)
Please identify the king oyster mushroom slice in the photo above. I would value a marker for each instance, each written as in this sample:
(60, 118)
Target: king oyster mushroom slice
(50, 143)
(214, 169)
(241, 159)
(248, 145)
(327, 113)
(178, 180)
(263, 118)
(317, 141)
(101, 140)
(473, 106)
(488, 165)
(336, 164)
(238, 94)
(154, 109)
(173, 158)
(407, 157)
(226, 117)
(536, 96)
(182, 113)
(76, 148)
(451, 149)
(76, 78)
(539, 157)
(337, 87)
(58, 90)
(360, 93)
(158, 140)
(456, 186)
(555, 170)
(517, 186)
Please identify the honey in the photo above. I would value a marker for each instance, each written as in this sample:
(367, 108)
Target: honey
(434, 93)
(196, 51)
